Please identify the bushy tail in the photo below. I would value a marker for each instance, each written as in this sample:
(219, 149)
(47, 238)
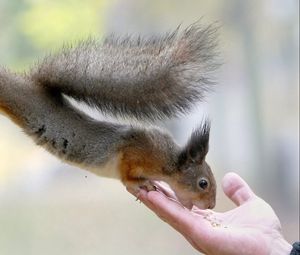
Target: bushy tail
(144, 78)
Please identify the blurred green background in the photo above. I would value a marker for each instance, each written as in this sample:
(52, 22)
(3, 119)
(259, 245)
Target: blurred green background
(47, 207)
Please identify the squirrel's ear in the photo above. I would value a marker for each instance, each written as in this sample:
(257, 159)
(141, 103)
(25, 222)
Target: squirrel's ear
(198, 145)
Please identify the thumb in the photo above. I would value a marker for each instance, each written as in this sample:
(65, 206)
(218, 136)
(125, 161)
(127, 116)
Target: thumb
(237, 189)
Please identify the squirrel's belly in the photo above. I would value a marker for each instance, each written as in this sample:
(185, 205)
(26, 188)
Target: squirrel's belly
(109, 169)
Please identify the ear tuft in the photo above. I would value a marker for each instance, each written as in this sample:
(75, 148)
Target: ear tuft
(198, 145)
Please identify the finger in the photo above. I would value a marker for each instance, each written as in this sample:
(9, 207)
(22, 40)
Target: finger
(178, 217)
(237, 189)
(169, 211)
(164, 188)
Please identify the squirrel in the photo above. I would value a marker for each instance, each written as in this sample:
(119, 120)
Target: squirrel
(142, 78)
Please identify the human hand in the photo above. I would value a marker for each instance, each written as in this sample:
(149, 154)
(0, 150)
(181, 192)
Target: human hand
(251, 228)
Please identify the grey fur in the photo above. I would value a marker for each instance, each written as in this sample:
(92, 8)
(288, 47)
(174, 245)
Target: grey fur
(143, 78)
(66, 132)
(54, 124)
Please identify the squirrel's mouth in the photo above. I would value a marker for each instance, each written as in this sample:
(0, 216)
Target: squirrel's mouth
(165, 189)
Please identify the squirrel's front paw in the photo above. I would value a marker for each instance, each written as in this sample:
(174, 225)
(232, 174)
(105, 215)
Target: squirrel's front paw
(136, 186)
(148, 186)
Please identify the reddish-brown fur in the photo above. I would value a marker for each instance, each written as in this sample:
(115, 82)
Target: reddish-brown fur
(7, 111)
(137, 165)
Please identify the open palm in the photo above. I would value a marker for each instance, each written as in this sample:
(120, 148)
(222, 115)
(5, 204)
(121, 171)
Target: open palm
(251, 228)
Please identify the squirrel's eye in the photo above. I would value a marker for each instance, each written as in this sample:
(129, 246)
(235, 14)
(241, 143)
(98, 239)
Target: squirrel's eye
(203, 184)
